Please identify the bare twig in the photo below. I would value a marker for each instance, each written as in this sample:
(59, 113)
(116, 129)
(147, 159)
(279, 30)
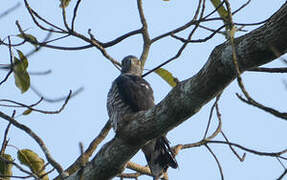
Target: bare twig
(138, 168)
(31, 174)
(241, 7)
(18, 106)
(38, 47)
(217, 161)
(199, 40)
(252, 24)
(249, 100)
(210, 115)
(120, 38)
(254, 103)
(65, 18)
(281, 163)
(21, 105)
(212, 30)
(40, 142)
(233, 150)
(145, 34)
(271, 154)
(6, 77)
(185, 43)
(92, 147)
(75, 14)
(282, 175)
(179, 147)
(34, 14)
(5, 141)
(129, 175)
(82, 162)
(11, 62)
(40, 73)
(193, 21)
(54, 100)
(8, 11)
(95, 42)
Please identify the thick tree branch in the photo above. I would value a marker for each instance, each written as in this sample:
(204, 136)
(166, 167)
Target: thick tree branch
(187, 98)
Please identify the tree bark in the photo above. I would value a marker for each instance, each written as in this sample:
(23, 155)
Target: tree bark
(187, 98)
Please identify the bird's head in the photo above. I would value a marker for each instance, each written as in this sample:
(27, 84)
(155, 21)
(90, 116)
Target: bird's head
(132, 65)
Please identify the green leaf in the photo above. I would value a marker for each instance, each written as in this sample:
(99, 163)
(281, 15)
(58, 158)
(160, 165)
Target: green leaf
(167, 76)
(22, 78)
(64, 3)
(23, 59)
(6, 168)
(33, 161)
(26, 112)
(221, 10)
(29, 37)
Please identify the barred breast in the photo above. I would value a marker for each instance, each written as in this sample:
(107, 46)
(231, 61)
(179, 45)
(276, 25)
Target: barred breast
(115, 106)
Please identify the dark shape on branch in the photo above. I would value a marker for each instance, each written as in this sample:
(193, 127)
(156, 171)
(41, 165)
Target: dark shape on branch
(129, 94)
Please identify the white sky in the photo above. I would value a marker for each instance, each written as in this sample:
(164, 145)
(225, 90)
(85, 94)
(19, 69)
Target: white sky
(86, 113)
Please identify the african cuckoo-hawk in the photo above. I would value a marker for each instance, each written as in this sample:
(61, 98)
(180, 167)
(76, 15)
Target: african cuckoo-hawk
(130, 93)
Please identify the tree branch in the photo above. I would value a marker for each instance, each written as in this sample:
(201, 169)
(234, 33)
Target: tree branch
(187, 98)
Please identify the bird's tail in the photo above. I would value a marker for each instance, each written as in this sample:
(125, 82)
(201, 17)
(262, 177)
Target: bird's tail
(159, 156)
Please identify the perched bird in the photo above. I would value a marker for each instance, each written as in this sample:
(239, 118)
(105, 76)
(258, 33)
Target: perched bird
(130, 93)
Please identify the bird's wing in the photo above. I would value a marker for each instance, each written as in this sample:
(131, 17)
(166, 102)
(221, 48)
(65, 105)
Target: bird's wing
(135, 92)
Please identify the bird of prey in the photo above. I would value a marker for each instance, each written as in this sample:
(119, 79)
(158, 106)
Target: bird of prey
(130, 93)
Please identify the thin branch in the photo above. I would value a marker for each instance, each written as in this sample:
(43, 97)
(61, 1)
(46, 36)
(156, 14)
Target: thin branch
(217, 161)
(129, 175)
(281, 163)
(40, 142)
(212, 30)
(65, 48)
(282, 175)
(271, 154)
(179, 147)
(188, 24)
(233, 150)
(75, 14)
(278, 154)
(120, 38)
(241, 7)
(82, 162)
(31, 174)
(93, 41)
(8, 11)
(6, 77)
(184, 44)
(252, 24)
(38, 47)
(21, 105)
(65, 18)
(145, 34)
(34, 14)
(210, 116)
(5, 141)
(56, 39)
(199, 40)
(55, 100)
(92, 147)
(40, 73)
(249, 100)
(11, 62)
(18, 106)
(138, 168)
